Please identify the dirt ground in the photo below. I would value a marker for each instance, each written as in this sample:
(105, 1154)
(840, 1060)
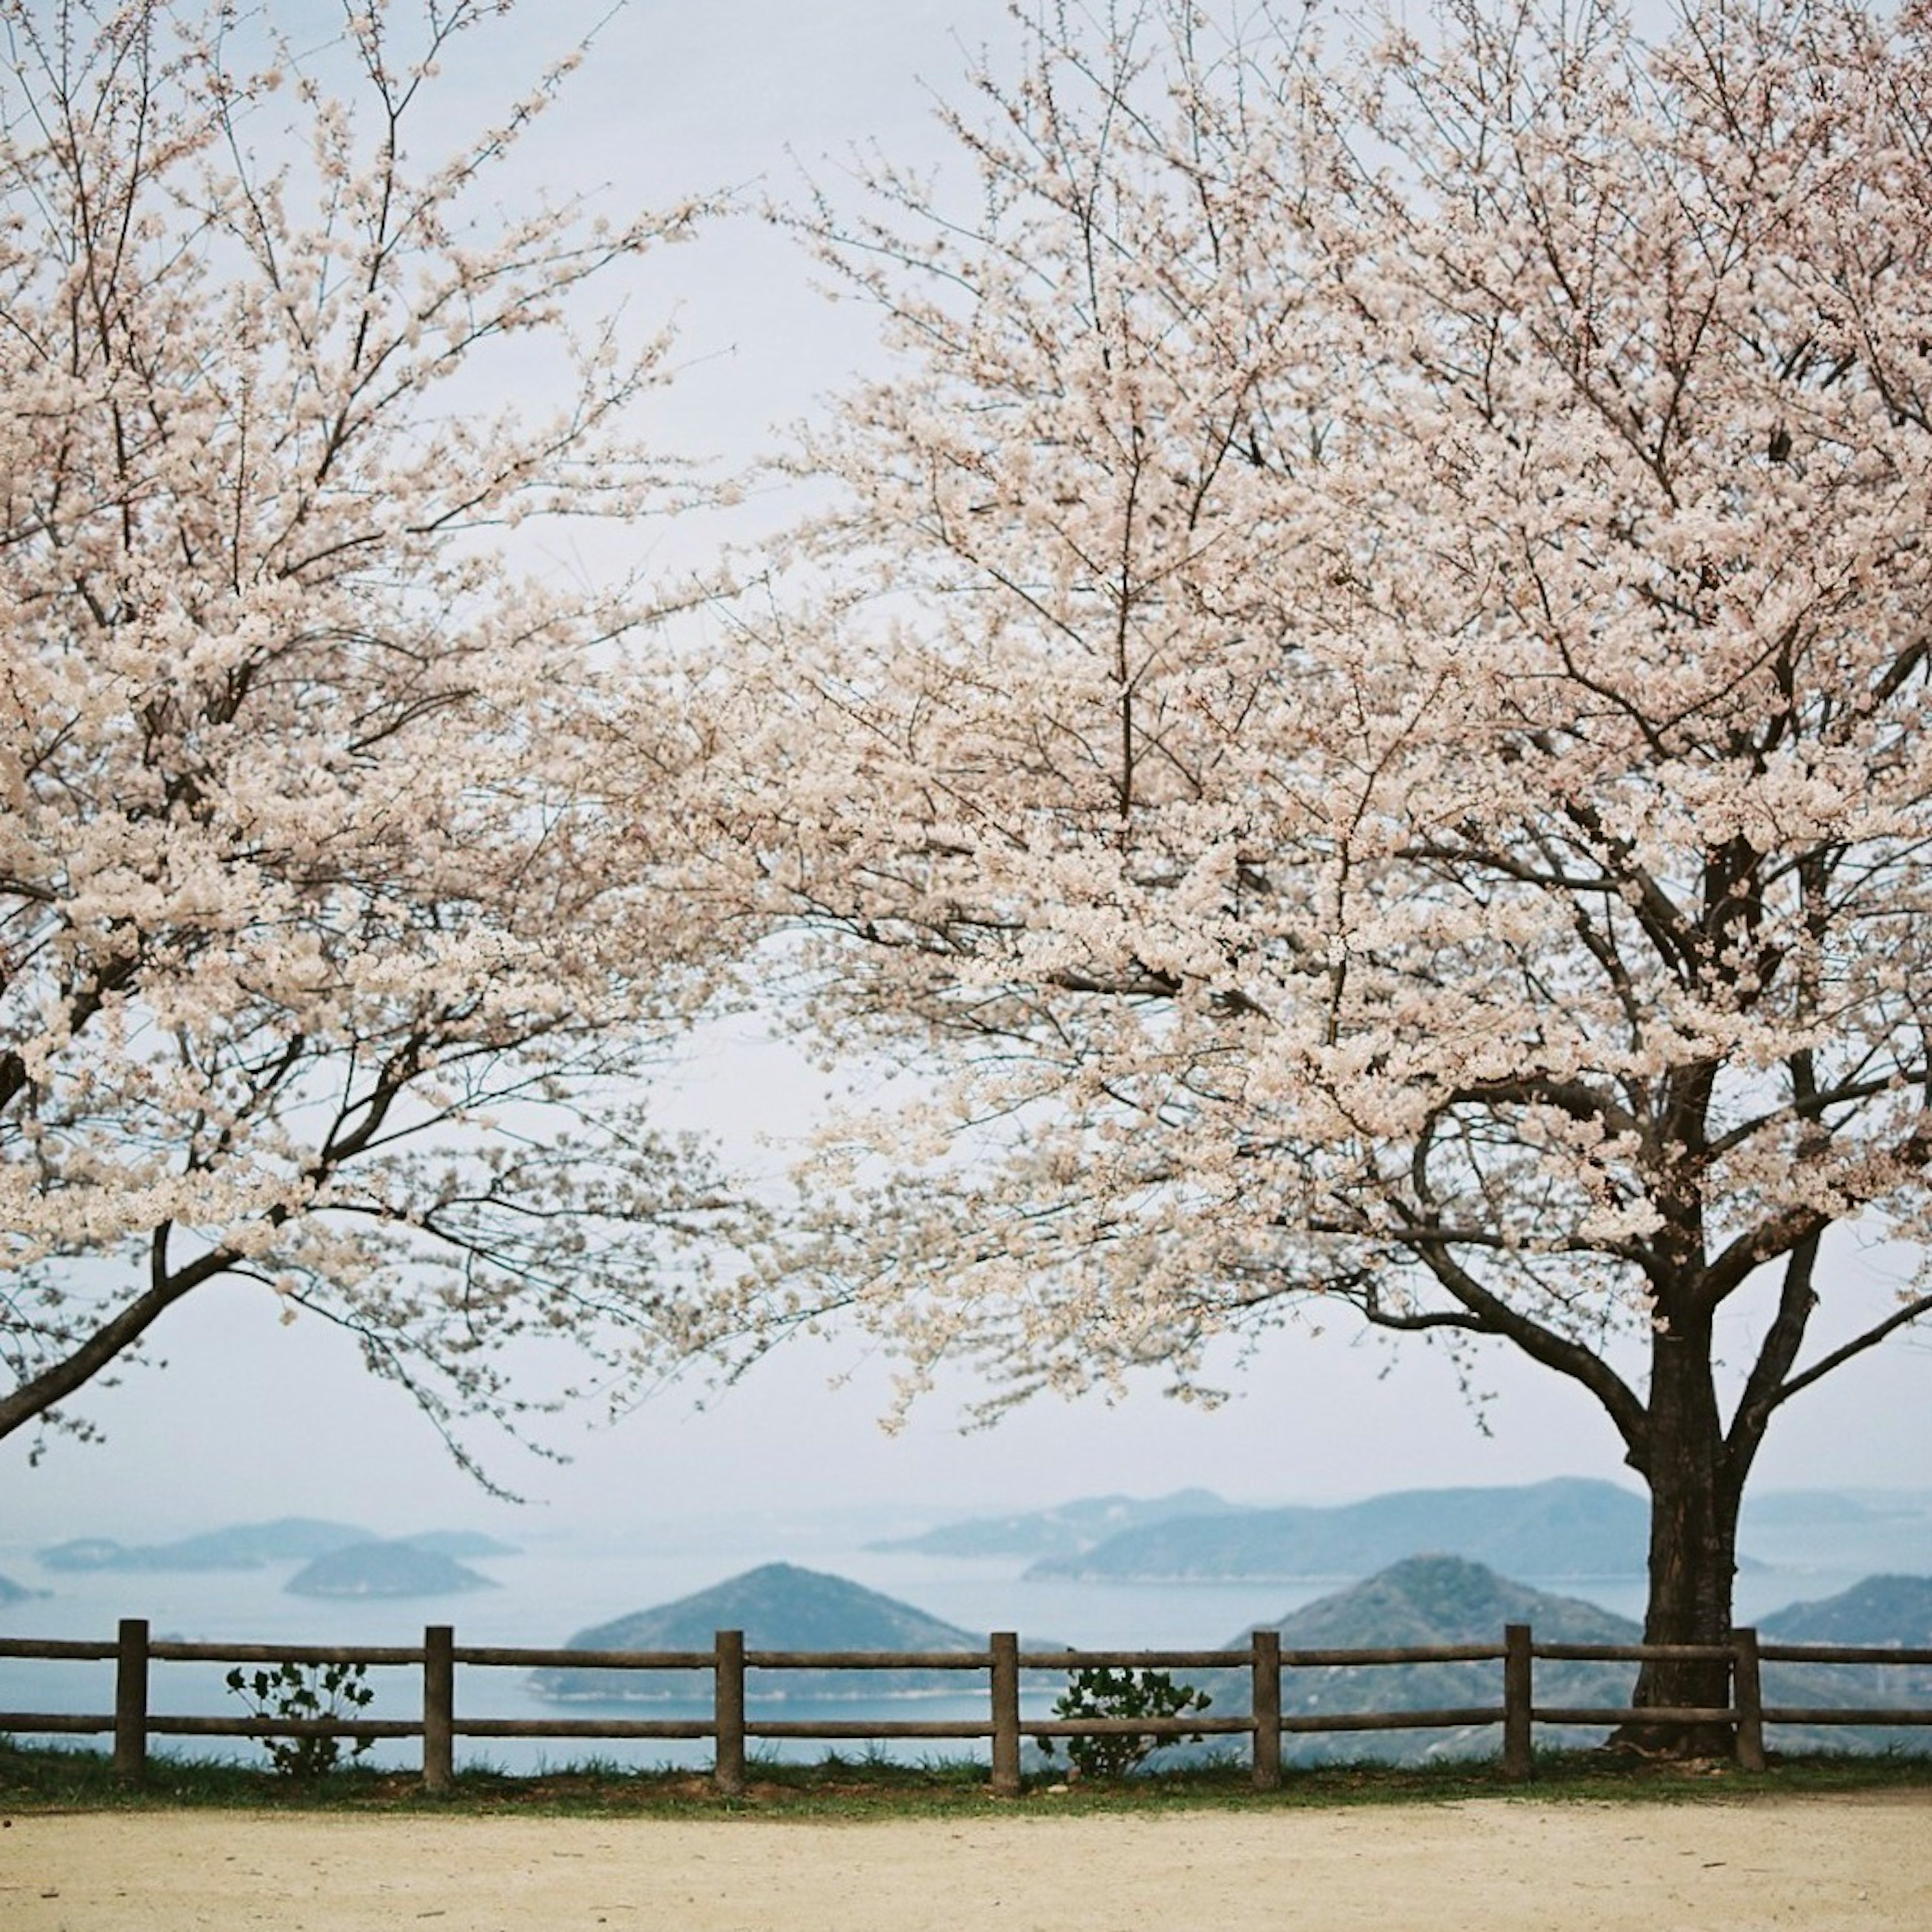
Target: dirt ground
(1491, 1866)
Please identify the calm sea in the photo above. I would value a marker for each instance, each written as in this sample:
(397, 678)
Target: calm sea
(553, 1589)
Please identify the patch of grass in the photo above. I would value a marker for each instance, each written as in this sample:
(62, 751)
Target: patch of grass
(61, 1779)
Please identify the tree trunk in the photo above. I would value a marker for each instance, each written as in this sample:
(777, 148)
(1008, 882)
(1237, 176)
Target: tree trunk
(1694, 1494)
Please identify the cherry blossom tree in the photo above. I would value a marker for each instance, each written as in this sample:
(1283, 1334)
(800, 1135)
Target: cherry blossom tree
(323, 963)
(1367, 699)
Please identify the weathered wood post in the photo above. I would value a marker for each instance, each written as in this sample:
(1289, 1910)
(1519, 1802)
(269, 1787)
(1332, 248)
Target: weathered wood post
(1747, 1697)
(1519, 1702)
(728, 1710)
(131, 1701)
(439, 1708)
(1004, 1685)
(1264, 1701)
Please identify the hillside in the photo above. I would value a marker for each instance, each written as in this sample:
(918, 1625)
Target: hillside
(779, 1607)
(1426, 1600)
(1438, 1599)
(384, 1569)
(1063, 1531)
(1894, 1611)
(1565, 1528)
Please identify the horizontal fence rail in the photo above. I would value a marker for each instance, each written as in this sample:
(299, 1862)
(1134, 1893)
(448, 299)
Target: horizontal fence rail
(133, 1723)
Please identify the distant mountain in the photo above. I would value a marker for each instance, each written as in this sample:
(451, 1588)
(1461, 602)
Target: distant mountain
(1894, 1611)
(1426, 1600)
(384, 1569)
(779, 1607)
(459, 1542)
(241, 1546)
(1561, 1529)
(1064, 1532)
(11, 1592)
(1431, 1600)
(1847, 1532)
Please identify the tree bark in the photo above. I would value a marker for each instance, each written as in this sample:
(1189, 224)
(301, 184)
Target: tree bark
(96, 1351)
(1695, 1493)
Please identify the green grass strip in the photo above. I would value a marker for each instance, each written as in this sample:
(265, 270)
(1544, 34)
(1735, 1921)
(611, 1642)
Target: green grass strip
(59, 1779)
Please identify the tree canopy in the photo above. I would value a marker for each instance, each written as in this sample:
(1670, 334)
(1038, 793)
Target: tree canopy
(322, 961)
(1368, 691)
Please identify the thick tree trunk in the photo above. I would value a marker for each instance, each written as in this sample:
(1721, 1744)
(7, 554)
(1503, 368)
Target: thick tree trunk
(1694, 1495)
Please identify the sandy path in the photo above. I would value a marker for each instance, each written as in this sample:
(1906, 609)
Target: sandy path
(1490, 1866)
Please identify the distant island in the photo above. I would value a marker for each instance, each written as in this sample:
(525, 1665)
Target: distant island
(1557, 1531)
(1065, 1531)
(459, 1542)
(1890, 1612)
(1893, 1612)
(1563, 1529)
(1847, 1531)
(11, 1592)
(385, 1569)
(1424, 1601)
(1418, 1602)
(253, 1546)
(779, 1607)
(247, 1545)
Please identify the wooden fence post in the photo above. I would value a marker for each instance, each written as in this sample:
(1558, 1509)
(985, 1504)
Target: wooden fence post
(439, 1708)
(1004, 1686)
(1747, 1695)
(1264, 1701)
(130, 1702)
(728, 1706)
(1519, 1702)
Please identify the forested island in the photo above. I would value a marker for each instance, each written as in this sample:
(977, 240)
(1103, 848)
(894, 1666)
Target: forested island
(385, 1569)
(779, 1607)
(255, 1545)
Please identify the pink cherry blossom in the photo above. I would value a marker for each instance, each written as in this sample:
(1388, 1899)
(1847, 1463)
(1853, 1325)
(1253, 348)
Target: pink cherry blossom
(1365, 693)
(323, 960)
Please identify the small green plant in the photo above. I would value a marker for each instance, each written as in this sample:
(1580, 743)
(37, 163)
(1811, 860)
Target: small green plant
(303, 1692)
(1100, 1692)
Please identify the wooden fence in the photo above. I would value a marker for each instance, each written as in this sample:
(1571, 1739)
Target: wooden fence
(133, 1722)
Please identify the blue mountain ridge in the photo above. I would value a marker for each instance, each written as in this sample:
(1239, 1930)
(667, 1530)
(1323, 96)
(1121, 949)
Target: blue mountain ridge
(1064, 1530)
(384, 1569)
(253, 1546)
(1567, 1527)
(779, 1607)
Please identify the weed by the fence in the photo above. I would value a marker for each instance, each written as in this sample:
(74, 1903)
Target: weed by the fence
(305, 1692)
(1097, 1691)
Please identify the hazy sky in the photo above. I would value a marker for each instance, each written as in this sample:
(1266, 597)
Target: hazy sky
(254, 1418)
